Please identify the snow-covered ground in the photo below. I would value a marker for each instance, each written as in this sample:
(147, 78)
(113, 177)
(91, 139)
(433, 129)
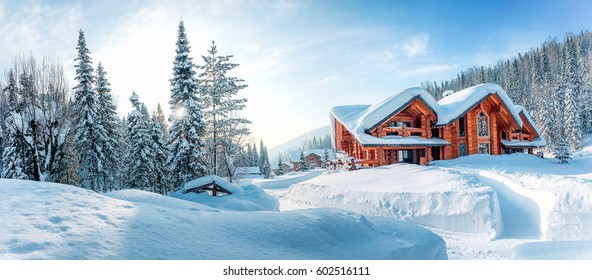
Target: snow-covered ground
(485, 207)
(54, 221)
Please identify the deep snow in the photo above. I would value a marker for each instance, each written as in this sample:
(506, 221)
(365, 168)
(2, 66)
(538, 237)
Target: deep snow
(54, 221)
(543, 206)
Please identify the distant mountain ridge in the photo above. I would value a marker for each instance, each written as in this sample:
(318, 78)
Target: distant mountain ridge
(298, 143)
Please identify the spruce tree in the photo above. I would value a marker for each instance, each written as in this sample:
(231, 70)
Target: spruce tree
(89, 131)
(107, 118)
(218, 93)
(160, 153)
(264, 165)
(140, 155)
(302, 166)
(187, 130)
(280, 169)
(572, 84)
(562, 153)
(325, 158)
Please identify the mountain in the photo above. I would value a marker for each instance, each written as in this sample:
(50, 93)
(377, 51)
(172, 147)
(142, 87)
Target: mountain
(298, 143)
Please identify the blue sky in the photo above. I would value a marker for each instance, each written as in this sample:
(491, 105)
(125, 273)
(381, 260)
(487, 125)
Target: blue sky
(299, 58)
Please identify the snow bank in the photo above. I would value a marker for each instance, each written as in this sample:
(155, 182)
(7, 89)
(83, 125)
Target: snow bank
(558, 198)
(243, 198)
(54, 221)
(429, 196)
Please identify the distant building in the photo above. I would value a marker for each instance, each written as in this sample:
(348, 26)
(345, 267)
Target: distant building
(314, 158)
(285, 167)
(413, 127)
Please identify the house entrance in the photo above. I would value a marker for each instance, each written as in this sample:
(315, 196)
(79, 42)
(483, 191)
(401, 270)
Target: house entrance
(406, 156)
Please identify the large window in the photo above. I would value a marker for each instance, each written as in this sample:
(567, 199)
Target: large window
(484, 148)
(482, 125)
(463, 150)
(461, 127)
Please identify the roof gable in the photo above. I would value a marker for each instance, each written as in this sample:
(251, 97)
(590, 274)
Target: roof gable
(457, 104)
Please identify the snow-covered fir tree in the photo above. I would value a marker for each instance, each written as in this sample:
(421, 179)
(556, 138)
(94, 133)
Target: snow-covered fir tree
(325, 158)
(90, 134)
(140, 154)
(280, 170)
(188, 128)
(562, 153)
(571, 83)
(160, 153)
(302, 166)
(108, 119)
(264, 165)
(14, 151)
(221, 106)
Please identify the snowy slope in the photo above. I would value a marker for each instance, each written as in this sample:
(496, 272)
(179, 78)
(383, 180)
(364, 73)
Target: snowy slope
(53, 221)
(429, 196)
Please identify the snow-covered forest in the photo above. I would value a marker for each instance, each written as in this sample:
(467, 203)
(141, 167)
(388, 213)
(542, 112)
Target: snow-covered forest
(553, 82)
(51, 132)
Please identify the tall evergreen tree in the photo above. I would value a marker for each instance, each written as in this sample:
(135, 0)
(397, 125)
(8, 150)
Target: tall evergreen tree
(89, 131)
(562, 153)
(140, 155)
(264, 165)
(572, 85)
(325, 158)
(107, 118)
(218, 92)
(187, 130)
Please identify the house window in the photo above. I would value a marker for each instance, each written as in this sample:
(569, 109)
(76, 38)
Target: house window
(392, 124)
(461, 127)
(482, 125)
(463, 149)
(484, 148)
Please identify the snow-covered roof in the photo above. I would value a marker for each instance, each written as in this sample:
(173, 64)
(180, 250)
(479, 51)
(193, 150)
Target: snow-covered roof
(358, 119)
(538, 142)
(295, 155)
(522, 110)
(206, 180)
(457, 104)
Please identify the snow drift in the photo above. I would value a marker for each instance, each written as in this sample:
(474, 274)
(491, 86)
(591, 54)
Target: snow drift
(446, 199)
(54, 221)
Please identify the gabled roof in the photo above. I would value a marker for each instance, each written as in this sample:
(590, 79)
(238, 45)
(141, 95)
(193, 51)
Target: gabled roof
(457, 104)
(522, 110)
(367, 117)
(207, 181)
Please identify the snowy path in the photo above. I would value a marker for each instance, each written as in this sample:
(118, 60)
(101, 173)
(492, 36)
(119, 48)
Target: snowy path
(520, 214)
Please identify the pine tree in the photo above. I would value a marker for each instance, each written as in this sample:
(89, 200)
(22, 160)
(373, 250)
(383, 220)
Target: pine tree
(302, 166)
(107, 118)
(218, 93)
(256, 159)
(571, 83)
(562, 153)
(325, 158)
(140, 155)
(160, 152)
(15, 150)
(264, 165)
(187, 130)
(280, 169)
(89, 131)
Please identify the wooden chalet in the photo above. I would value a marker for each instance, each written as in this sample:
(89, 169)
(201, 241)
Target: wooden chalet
(313, 158)
(413, 127)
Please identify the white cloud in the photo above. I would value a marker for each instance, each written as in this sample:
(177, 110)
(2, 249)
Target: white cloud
(415, 45)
